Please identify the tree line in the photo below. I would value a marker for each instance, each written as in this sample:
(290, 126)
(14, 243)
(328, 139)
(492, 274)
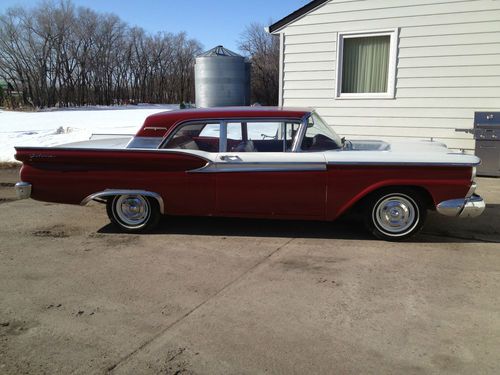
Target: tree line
(56, 54)
(60, 55)
(263, 50)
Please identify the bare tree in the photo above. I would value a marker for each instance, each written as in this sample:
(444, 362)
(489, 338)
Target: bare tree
(60, 55)
(263, 50)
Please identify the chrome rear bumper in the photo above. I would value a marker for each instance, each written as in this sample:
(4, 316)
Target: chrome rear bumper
(466, 207)
(23, 190)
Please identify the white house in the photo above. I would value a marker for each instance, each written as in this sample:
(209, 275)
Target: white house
(393, 69)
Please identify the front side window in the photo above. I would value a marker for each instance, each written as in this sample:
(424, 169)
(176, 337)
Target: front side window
(198, 136)
(261, 136)
(366, 64)
(319, 136)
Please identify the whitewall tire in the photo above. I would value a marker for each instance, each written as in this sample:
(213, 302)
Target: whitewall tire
(133, 213)
(395, 214)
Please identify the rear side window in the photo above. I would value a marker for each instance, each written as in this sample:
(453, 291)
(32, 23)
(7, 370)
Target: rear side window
(261, 136)
(198, 136)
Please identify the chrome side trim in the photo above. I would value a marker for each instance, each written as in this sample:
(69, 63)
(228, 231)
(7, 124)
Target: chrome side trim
(260, 167)
(202, 169)
(465, 207)
(397, 163)
(23, 190)
(111, 192)
(155, 128)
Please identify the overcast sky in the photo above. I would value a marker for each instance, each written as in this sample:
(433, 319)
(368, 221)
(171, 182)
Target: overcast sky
(212, 22)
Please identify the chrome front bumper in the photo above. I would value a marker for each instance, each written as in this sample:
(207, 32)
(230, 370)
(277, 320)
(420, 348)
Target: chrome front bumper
(23, 190)
(466, 207)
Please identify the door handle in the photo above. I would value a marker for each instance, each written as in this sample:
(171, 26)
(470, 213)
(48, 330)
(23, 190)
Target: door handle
(230, 158)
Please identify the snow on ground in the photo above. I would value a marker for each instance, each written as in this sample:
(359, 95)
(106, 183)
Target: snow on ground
(55, 127)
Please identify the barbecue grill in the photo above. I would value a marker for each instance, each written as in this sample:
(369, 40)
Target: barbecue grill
(486, 132)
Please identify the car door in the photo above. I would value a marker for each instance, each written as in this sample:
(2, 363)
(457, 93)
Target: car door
(274, 183)
(191, 192)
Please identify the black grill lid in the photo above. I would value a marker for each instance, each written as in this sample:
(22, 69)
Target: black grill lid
(487, 119)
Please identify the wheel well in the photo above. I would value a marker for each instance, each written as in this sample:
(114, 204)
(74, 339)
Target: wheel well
(111, 193)
(419, 190)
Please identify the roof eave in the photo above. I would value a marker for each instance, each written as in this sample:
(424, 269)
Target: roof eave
(292, 17)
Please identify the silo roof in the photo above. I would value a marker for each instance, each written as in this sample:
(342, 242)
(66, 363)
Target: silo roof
(219, 51)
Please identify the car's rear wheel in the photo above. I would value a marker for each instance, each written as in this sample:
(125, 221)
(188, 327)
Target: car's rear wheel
(133, 213)
(395, 214)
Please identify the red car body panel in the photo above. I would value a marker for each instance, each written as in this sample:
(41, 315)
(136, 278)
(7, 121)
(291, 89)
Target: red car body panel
(348, 184)
(68, 176)
(272, 194)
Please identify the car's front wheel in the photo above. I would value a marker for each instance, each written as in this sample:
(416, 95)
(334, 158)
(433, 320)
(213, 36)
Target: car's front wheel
(395, 215)
(133, 213)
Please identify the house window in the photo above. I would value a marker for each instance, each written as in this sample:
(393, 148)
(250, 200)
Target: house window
(366, 65)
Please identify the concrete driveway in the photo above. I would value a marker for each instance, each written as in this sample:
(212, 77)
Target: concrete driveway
(225, 296)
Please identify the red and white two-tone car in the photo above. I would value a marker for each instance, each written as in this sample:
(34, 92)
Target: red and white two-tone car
(259, 162)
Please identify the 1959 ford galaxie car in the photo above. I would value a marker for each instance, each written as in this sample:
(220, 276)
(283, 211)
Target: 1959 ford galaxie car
(258, 162)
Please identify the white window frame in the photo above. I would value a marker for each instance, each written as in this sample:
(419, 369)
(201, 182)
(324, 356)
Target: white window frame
(391, 76)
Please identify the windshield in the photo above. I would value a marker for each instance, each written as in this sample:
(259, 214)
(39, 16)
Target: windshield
(319, 136)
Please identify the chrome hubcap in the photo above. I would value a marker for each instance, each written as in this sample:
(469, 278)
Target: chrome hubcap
(395, 214)
(132, 210)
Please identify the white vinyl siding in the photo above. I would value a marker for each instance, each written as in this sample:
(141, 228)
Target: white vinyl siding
(448, 67)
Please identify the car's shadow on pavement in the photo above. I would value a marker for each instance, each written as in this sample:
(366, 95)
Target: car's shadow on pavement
(342, 229)
(348, 228)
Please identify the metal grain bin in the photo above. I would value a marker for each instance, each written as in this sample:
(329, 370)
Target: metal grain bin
(222, 78)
